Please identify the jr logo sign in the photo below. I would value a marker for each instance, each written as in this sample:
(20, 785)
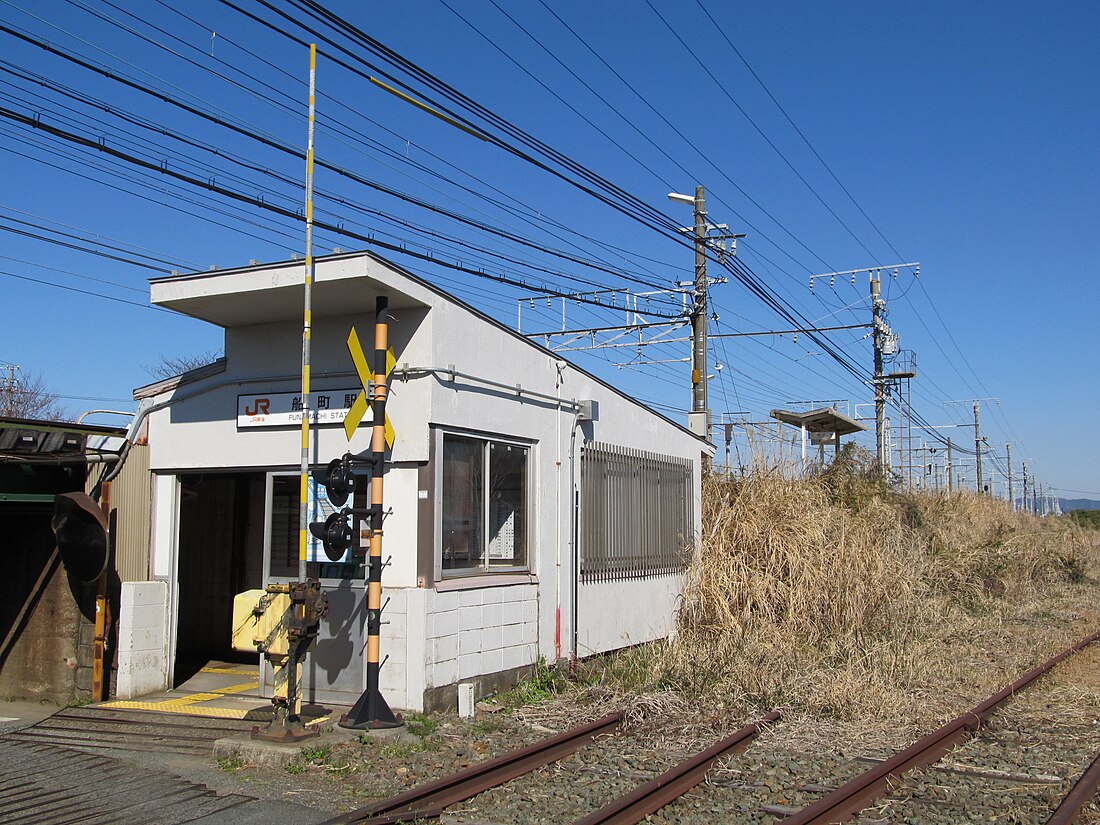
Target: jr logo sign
(284, 409)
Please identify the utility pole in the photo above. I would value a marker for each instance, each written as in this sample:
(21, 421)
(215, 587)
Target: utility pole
(1023, 500)
(950, 466)
(700, 315)
(729, 437)
(721, 242)
(978, 444)
(9, 404)
(1008, 472)
(879, 333)
(885, 345)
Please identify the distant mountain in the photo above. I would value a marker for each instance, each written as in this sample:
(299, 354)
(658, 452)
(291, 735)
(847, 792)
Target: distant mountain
(1078, 504)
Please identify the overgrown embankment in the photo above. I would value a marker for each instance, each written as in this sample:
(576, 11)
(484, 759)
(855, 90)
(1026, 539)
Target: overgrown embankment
(837, 595)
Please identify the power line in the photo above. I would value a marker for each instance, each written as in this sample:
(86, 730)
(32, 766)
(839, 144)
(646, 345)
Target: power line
(759, 131)
(343, 172)
(84, 291)
(794, 126)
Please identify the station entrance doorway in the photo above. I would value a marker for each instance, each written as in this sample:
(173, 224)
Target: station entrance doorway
(220, 554)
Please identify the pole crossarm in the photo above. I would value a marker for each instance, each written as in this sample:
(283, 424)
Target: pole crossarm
(614, 341)
(594, 330)
(636, 305)
(972, 401)
(869, 270)
(575, 334)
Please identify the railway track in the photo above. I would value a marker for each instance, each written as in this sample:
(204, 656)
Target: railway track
(982, 742)
(428, 801)
(858, 794)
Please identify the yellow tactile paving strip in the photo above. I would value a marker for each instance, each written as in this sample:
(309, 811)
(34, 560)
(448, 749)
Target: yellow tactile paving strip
(179, 707)
(192, 704)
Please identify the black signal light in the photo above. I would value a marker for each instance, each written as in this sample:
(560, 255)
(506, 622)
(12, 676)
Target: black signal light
(338, 478)
(334, 533)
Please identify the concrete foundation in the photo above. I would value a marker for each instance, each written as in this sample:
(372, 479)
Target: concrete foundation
(276, 755)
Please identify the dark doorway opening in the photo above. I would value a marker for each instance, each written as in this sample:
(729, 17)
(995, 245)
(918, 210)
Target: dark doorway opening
(221, 540)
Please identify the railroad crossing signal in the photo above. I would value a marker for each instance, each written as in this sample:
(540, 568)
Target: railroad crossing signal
(338, 478)
(362, 403)
(334, 533)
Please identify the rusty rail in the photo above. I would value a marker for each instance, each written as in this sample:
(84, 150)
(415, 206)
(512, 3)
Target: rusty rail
(1079, 794)
(427, 801)
(856, 795)
(675, 782)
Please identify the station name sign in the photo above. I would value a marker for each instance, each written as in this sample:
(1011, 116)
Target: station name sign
(282, 409)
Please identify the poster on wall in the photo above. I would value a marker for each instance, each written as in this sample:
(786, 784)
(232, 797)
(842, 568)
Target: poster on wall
(502, 538)
(284, 409)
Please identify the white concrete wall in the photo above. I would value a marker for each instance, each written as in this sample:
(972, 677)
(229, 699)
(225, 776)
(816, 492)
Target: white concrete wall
(618, 614)
(403, 644)
(142, 639)
(496, 354)
(201, 433)
(267, 358)
(393, 641)
(399, 537)
(164, 515)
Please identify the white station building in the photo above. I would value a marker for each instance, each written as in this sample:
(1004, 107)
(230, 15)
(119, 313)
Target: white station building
(533, 511)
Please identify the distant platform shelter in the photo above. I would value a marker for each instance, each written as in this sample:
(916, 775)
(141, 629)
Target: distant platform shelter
(821, 426)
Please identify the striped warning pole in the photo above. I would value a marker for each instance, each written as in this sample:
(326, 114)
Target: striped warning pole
(307, 323)
(371, 710)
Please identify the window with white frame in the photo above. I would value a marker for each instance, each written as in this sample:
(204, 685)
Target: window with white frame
(484, 505)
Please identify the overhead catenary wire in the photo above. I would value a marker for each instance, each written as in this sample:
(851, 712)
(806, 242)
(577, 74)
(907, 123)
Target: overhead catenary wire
(343, 172)
(837, 347)
(287, 179)
(287, 213)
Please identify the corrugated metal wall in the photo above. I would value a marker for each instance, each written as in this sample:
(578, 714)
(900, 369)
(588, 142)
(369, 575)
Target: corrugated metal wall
(131, 494)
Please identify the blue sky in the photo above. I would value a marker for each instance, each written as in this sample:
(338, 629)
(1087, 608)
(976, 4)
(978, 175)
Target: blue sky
(966, 132)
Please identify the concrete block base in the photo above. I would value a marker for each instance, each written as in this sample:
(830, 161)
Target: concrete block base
(444, 699)
(275, 754)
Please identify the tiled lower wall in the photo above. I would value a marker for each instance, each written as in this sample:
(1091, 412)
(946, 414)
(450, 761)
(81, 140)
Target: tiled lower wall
(480, 631)
(399, 647)
(431, 639)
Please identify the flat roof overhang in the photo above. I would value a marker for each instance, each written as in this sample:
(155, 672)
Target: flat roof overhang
(824, 420)
(343, 285)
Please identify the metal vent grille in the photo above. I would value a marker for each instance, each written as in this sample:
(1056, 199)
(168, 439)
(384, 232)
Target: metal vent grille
(636, 513)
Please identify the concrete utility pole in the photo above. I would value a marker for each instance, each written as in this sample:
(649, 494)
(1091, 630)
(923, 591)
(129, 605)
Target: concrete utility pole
(728, 427)
(885, 344)
(1008, 472)
(700, 314)
(879, 333)
(978, 444)
(1023, 499)
(9, 404)
(950, 466)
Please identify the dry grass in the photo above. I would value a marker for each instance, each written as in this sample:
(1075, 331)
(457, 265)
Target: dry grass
(838, 597)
